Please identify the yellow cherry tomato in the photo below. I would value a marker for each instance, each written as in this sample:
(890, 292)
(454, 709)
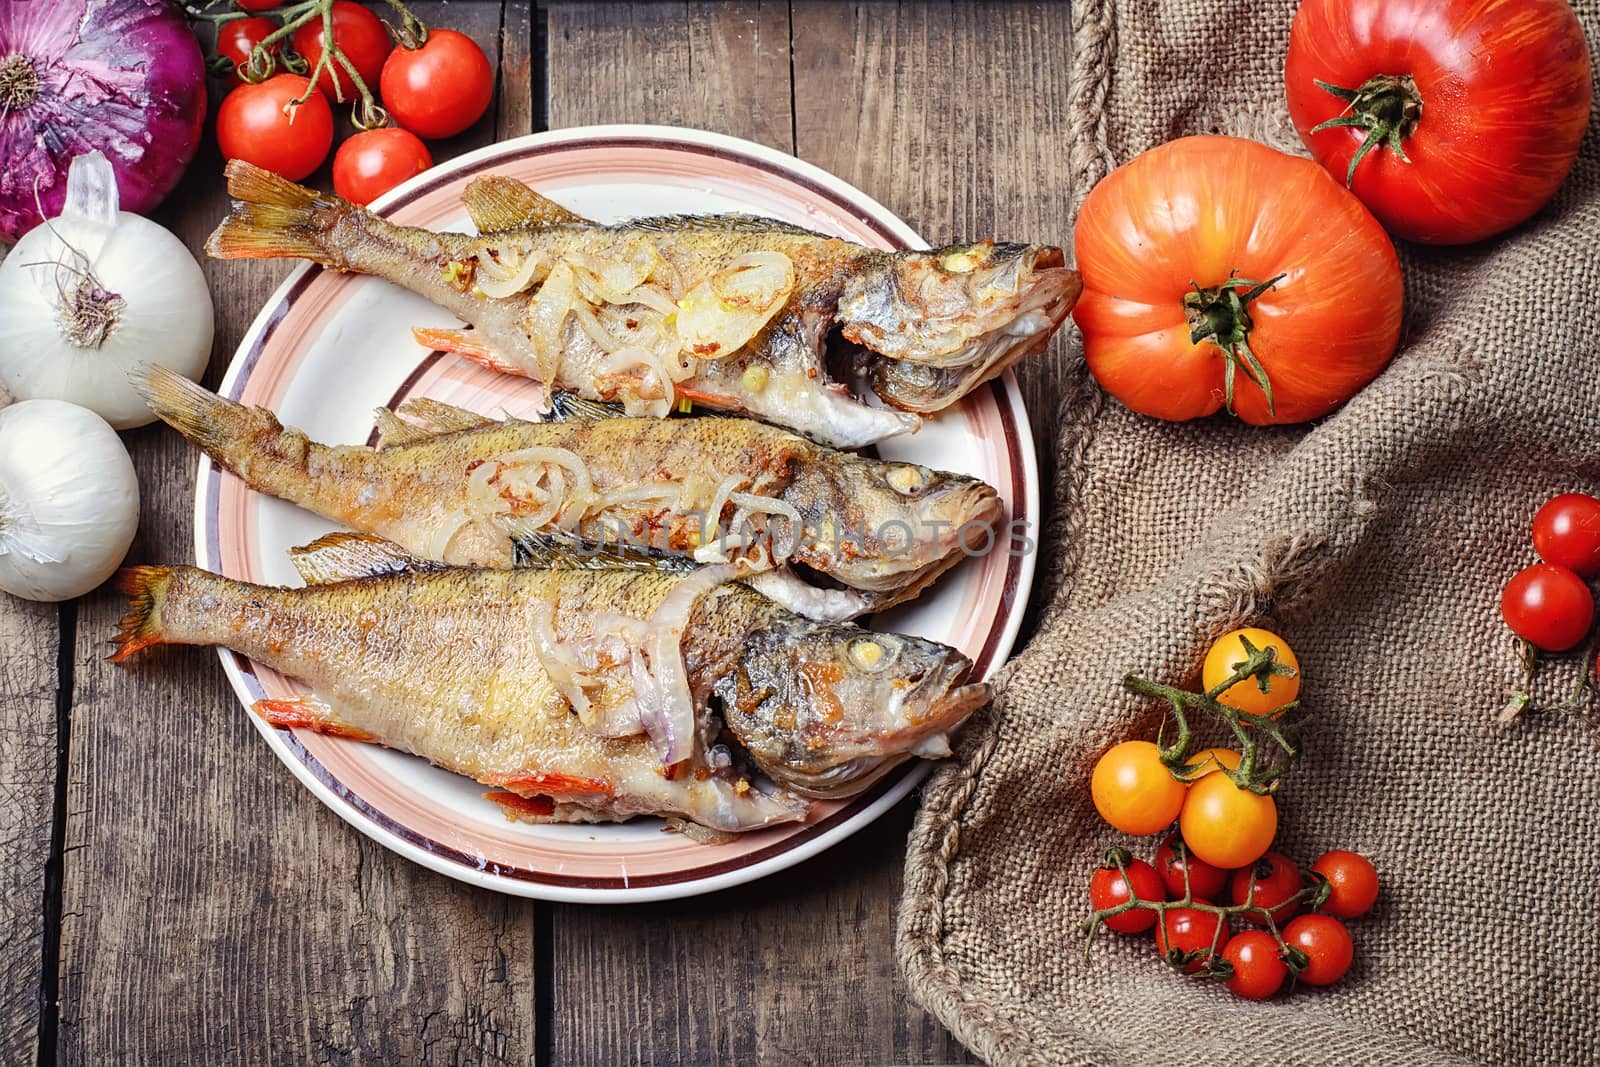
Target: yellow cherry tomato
(1229, 653)
(1227, 826)
(1209, 761)
(1134, 791)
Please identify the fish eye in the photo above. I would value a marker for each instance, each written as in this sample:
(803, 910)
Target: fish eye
(868, 654)
(908, 479)
(962, 260)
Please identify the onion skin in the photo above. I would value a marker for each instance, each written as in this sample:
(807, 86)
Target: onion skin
(122, 76)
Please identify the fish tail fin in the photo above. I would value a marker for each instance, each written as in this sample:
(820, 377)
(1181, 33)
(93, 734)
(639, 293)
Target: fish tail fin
(225, 431)
(141, 628)
(273, 218)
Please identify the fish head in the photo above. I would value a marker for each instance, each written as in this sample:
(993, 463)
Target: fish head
(824, 709)
(956, 316)
(881, 526)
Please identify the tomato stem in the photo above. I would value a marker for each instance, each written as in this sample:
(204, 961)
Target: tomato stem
(1387, 106)
(1220, 315)
(1313, 894)
(1259, 664)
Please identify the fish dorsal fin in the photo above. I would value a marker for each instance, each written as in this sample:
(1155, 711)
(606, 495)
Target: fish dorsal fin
(344, 556)
(442, 417)
(496, 204)
(564, 406)
(393, 431)
(422, 419)
(731, 221)
(558, 550)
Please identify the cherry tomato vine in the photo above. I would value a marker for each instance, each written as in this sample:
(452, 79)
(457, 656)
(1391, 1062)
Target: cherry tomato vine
(1257, 772)
(268, 53)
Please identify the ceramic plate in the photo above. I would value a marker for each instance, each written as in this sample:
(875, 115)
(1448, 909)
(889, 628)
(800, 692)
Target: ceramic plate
(329, 348)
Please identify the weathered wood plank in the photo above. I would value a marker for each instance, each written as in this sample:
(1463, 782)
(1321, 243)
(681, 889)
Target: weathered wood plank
(213, 908)
(954, 115)
(29, 641)
(718, 67)
(798, 968)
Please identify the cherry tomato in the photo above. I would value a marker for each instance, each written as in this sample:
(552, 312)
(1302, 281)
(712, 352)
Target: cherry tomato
(256, 123)
(1275, 879)
(1566, 532)
(440, 89)
(256, 5)
(1134, 791)
(370, 163)
(1487, 98)
(1228, 654)
(1227, 826)
(1258, 969)
(1108, 888)
(1230, 216)
(1327, 946)
(1209, 761)
(1352, 882)
(360, 35)
(1204, 880)
(1548, 606)
(238, 38)
(1188, 930)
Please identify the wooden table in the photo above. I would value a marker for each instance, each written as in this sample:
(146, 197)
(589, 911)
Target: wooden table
(171, 894)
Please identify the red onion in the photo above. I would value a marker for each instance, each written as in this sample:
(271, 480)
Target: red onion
(122, 76)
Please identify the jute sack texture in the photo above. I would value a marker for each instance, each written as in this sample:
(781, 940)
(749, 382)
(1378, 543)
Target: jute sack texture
(1377, 542)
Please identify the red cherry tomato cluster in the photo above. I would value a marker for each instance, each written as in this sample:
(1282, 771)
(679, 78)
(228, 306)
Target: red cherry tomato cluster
(434, 83)
(1292, 922)
(1549, 604)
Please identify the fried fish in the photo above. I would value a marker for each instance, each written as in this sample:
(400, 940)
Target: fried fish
(579, 695)
(458, 487)
(730, 312)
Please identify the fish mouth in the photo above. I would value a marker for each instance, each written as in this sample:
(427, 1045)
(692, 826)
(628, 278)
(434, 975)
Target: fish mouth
(897, 579)
(927, 736)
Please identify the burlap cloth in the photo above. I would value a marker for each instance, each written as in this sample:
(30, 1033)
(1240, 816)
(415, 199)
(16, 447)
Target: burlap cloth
(1377, 542)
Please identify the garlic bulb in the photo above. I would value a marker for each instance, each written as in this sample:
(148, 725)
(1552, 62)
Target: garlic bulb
(91, 293)
(69, 500)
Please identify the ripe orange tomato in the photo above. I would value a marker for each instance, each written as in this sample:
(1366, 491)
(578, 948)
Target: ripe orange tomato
(1211, 760)
(1227, 826)
(1228, 216)
(1134, 791)
(1474, 109)
(1228, 653)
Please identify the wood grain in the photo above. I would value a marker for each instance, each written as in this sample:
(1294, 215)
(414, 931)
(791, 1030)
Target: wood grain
(799, 967)
(954, 116)
(213, 908)
(29, 639)
(718, 67)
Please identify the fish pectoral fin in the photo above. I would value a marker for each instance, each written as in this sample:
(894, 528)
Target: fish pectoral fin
(345, 556)
(309, 712)
(496, 203)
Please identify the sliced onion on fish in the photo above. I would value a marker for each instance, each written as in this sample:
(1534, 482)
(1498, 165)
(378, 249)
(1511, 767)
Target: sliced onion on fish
(720, 315)
(666, 706)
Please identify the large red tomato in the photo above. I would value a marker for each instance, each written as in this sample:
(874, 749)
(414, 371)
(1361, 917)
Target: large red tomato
(1216, 268)
(1470, 111)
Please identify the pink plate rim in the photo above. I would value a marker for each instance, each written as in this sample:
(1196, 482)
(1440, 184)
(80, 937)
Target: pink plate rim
(805, 840)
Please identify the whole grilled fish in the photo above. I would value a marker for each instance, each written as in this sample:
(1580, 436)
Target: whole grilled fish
(725, 311)
(589, 695)
(462, 487)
